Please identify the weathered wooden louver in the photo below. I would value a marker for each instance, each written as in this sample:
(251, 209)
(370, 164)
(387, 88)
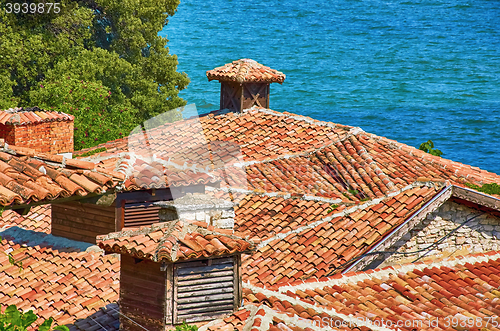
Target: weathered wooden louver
(140, 213)
(139, 208)
(188, 292)
(204, 290)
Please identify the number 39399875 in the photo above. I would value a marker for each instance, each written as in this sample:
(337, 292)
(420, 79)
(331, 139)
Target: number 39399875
(33, 8)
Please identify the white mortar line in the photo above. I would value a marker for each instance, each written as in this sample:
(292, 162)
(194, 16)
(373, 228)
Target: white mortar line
(318, 309)
(361, 276)
(340, 214)
(273, 194)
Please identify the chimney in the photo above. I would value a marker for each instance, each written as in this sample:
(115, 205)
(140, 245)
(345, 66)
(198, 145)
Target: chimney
(200, 207)
(44, 131)
(244, 84)
(175, 272)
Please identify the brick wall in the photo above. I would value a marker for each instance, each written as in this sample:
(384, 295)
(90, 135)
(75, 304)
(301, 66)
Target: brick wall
(46, 137)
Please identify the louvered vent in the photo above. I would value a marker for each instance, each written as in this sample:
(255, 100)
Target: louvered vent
(202, 291)
(138, 214)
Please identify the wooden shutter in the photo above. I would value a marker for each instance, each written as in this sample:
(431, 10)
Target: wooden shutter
(204, 290)
(138, 214)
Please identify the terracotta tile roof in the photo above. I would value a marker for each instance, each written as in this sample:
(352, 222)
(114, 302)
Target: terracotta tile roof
(305, 245)
(20, 116)
(289, 154)
(106, 318)
(276, 312)
(265, 217)
(464, 287)
(403, 163)
(65, 285)
(143, 172)
(257, 133)
(246, 70)
(173, 242)
(27, 176)
(38, 219)
(430, 294)
(273, 315)
(295, 168)
(339, 171)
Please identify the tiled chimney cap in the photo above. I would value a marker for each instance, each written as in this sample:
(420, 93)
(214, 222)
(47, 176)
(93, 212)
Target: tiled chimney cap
(20, 116)
(246, 71)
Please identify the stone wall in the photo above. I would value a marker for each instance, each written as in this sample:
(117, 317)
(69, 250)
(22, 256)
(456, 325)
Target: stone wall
(478, 235)
(199, 207)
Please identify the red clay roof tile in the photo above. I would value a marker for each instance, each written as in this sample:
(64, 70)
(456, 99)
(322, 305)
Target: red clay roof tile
(144, 242)
(300, 252)
(246, 70)
(40, 285)
(21, 116)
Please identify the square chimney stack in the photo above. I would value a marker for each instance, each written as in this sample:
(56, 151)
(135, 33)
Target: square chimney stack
(44, 131)
(244, 84)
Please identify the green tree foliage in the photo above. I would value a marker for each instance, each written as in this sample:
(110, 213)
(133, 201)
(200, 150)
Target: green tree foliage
(492, 188)
(428, 147)
(186, 327)
(100, 60)
(14, 320)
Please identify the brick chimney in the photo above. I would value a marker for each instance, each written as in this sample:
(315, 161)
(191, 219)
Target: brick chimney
(44, 131)
(244, 84)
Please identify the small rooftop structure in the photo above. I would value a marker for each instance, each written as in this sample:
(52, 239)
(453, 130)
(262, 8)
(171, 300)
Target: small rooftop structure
(176, 272)
(44, 131)
(244, 84)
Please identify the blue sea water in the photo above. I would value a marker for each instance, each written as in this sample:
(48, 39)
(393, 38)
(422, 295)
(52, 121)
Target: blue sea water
(407, 70)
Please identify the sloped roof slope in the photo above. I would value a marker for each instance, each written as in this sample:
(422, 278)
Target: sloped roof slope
(292, 171)
(22, 116)
(65, 285)
(174, 241)
(314, 246)
(244, 71)
(288, 153)
(420, 295)
(27, 177)
(38, 219)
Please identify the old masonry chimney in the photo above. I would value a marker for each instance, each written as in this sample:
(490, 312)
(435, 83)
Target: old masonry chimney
(44, 131)
(244, 84)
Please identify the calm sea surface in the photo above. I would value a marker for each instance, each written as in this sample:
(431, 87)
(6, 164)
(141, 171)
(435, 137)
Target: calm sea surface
(407, 70)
